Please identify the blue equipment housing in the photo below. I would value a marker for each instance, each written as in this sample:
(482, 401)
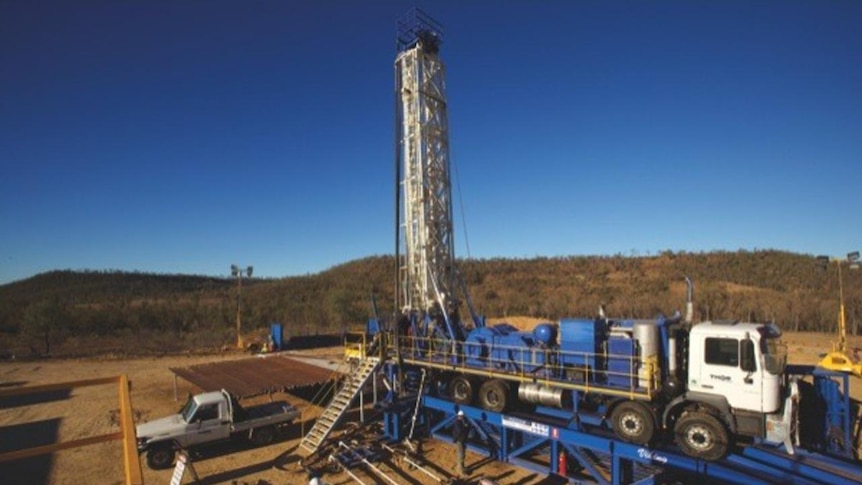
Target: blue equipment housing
(503, 347)
(581, 340)
(613, 353)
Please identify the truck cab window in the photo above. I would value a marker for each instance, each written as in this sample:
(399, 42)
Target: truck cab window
(189, 410)
(722, 351)
(206, 413)
(749, 362)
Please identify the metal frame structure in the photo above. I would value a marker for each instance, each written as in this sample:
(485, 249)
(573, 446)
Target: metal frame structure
(537, 442)
(546, 438)
(427, 274)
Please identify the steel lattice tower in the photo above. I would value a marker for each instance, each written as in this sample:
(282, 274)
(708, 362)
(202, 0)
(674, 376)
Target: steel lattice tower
(427, 274)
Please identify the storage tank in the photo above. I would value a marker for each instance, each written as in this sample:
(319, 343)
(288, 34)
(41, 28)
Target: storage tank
(646, 333)
(544, 395)
(546, 333)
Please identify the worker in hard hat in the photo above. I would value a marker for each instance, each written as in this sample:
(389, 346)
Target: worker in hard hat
(460, 433)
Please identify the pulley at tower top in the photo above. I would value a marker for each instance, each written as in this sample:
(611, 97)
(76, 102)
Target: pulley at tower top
(418, 27)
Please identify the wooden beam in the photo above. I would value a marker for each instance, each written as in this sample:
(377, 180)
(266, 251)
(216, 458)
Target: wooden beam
(131, 459)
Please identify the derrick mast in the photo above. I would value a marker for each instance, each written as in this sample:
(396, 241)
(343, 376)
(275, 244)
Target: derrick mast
(426, 275)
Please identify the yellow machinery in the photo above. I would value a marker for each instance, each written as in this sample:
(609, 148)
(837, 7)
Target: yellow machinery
(839, 359)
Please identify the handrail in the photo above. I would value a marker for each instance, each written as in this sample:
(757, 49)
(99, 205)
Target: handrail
(360, 350)
(358, 345)
(644, 379)
(317, 399)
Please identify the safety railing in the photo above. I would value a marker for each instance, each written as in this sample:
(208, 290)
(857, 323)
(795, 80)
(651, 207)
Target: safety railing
(638, 378)
(359, 345)
(355, 345)
(324, 393)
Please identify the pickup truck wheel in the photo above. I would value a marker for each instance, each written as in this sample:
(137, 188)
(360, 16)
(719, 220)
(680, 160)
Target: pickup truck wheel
(702, 435)
(633, 422)
(160, 457)
(263, 436)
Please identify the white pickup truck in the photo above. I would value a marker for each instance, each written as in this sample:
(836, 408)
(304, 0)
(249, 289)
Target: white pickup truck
(207, 418)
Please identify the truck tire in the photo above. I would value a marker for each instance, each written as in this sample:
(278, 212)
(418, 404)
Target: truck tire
(263, 436)
(160, 457)
(633, 422)
(494, 395)
(461, 390)
(702, 435)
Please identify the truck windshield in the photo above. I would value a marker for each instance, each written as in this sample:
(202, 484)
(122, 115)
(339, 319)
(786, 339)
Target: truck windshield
(774, 354)
(189, 410)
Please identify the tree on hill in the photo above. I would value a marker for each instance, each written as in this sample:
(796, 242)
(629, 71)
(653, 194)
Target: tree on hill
(43, 320)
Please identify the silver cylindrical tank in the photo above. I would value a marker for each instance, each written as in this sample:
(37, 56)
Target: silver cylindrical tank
(544, 395)
(646, 333)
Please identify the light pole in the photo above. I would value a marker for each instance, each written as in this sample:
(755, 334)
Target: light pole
(238, 273)
(839, 359)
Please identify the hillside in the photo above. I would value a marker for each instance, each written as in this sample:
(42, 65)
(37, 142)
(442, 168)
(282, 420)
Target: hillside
(65, 312)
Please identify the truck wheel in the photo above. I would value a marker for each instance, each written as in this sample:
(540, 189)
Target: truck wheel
(702, 435)
(461, 390)
(633, 422)
(494, 395)
(160, 457)
(263, 436)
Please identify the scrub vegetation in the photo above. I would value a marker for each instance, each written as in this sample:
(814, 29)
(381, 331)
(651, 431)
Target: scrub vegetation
(75, 313)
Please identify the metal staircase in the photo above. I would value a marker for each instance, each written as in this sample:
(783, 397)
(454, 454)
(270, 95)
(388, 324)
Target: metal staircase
(330, 417)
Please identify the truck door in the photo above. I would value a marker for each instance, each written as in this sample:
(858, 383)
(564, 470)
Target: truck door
(207, 425)
(722, 373)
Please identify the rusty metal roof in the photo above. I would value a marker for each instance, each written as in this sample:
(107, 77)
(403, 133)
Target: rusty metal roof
(252, 377)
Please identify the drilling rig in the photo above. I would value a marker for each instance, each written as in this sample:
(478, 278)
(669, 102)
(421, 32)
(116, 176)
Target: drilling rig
(612, 394)
(427, 279)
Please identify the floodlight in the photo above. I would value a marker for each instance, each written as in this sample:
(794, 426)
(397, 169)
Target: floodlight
(853, 257)
(238, 273)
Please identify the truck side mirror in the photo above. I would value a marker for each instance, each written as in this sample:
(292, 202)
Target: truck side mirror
(747, 361)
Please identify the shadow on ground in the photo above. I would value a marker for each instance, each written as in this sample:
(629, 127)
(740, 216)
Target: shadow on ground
(16, 437)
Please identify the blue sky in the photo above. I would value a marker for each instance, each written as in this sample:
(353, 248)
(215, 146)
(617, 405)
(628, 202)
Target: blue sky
(184, 136)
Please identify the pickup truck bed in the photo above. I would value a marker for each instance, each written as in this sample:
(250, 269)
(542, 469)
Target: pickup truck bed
(266, 414)
(259, 411)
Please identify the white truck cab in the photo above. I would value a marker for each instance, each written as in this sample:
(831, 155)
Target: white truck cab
(743, 362)
(734, 388)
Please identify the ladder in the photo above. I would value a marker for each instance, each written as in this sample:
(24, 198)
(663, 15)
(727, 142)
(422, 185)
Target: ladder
(330, 417)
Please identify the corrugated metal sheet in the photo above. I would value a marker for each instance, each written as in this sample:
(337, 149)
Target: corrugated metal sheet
(252, 377)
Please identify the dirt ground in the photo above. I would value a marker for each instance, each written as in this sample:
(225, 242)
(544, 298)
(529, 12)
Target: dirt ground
(91, 411)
